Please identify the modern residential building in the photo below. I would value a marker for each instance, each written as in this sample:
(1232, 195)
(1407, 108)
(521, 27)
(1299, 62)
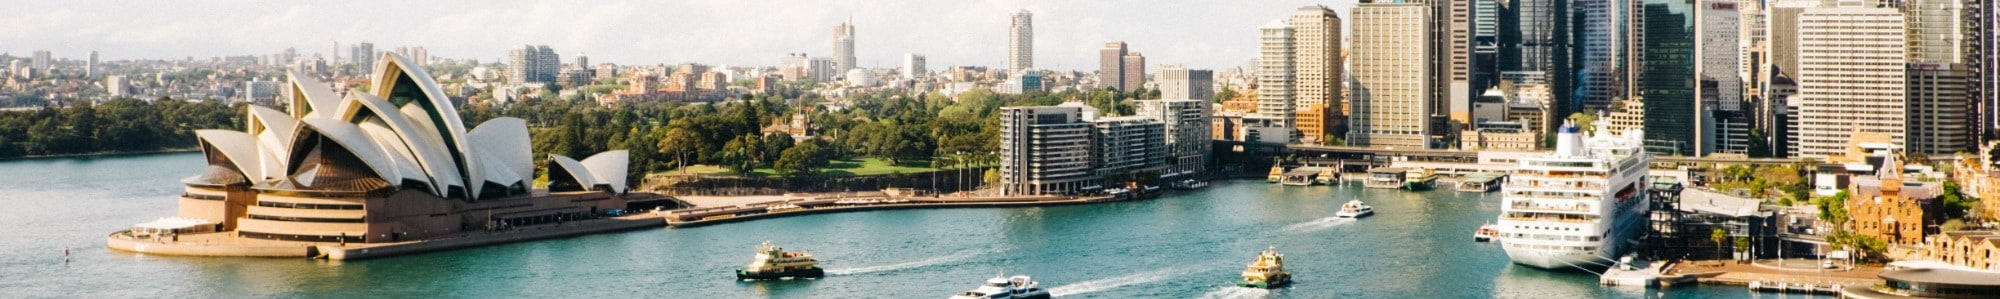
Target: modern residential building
(1177, 82)
(90, 67)
(1126, 145)
(392, 164)
(913, 66)
(843, 47)
(1276, 74)
(1045, 150)
(1392, 78)
(117, 85)
(1941, 114)
(260, 91)
(1021, 42)
(1852, 76)
(1317, 64)
(1186, 124)
(532, 64)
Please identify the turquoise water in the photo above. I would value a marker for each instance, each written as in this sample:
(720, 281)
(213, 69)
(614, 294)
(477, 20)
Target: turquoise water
(1181, 245)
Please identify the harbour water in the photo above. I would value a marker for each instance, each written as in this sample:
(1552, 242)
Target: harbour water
(1189, 244)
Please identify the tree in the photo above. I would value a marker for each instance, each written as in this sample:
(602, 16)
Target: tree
(681, 143)
(803, 160)
(1585, 121)
(1833, 209)
(1952, 225)
(1955, 203)
(1718, 235)
(1743, 245)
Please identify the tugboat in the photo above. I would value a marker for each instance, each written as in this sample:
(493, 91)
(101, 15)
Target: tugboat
(1354, 209)
(1267, 272)
(1001, 287)
(772, 262)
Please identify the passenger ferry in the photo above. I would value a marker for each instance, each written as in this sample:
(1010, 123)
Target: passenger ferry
(1354, 209)
(1268, 271)
(1480, 183)
(1000, 287)
(1419, 179)
(1579, 206)
(1277, 174)
(772, 262)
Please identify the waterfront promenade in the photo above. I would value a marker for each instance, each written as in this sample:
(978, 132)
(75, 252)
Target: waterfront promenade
(705, 210)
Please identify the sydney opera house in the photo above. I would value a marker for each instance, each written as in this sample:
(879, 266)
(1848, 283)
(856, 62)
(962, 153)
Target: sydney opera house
(387, 162)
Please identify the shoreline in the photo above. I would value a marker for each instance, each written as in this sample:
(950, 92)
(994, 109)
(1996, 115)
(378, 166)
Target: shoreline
(104, 154)
(228, 244)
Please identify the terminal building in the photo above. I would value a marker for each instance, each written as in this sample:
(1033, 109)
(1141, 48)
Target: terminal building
(392, 163)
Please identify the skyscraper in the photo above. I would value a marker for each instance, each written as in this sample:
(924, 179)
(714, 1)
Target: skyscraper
(1720, 69)
(90, 67)
(1392, 94)
(532, 64)
(1542, 49)
(1273, 123)
(1021, 42)
(1119, 68)
(1451, 27)
(1983, 18)
(913, 66)
(1940, 111)
(1186, 128)
(843, 46)
(1667, 79)
(1318, 68)
(1851, 76)
(1486, 16)
(1602, 50)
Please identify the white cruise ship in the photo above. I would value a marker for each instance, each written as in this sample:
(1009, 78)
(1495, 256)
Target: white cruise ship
(1578, 206)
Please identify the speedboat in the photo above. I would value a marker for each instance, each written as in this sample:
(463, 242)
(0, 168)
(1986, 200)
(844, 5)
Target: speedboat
(1485, 233)
(1000, 287)
(1355, 209)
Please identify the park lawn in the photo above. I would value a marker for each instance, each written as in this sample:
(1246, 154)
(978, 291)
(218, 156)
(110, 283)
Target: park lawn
(835, 168)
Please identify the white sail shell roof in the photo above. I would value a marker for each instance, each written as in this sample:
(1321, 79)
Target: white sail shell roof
(405, 130)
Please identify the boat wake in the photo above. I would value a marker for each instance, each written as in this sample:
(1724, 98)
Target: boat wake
(1317, 225)
(1236, 292)
(1112, 283)
(915, 264)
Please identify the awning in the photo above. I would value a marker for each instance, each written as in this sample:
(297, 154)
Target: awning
(172, 223)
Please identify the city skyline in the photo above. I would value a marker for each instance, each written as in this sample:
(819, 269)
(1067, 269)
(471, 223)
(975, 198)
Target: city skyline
(1066, 38)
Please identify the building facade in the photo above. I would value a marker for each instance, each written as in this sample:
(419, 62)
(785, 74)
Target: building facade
(1021, 42)
(913, 66)
(1178, 83)
(1276, 75)
(1044, 150)
(843, 47)
(1667, 80)
(1941, 111)
(1186, 124)
(1317, 68)
(1851, 75)
(1392, 98)
(532, 64)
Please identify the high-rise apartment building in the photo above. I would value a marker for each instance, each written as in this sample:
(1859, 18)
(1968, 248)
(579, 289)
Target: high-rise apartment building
(1021, 42)
(1134, 76)
(1316, 49)
(1851, 76)
(843, 46)
(1392, 98)
(532, 64)
(1941, 117)
(1127, 145)
(1273, 122)
(1181, 83)
(90, 67)
(1044, 150)
(1186, 127)
(913, 66)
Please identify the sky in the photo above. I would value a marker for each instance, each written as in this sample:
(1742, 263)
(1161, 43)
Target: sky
(1198, 34)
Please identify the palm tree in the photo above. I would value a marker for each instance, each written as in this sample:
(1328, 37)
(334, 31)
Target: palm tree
(1718, 236)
